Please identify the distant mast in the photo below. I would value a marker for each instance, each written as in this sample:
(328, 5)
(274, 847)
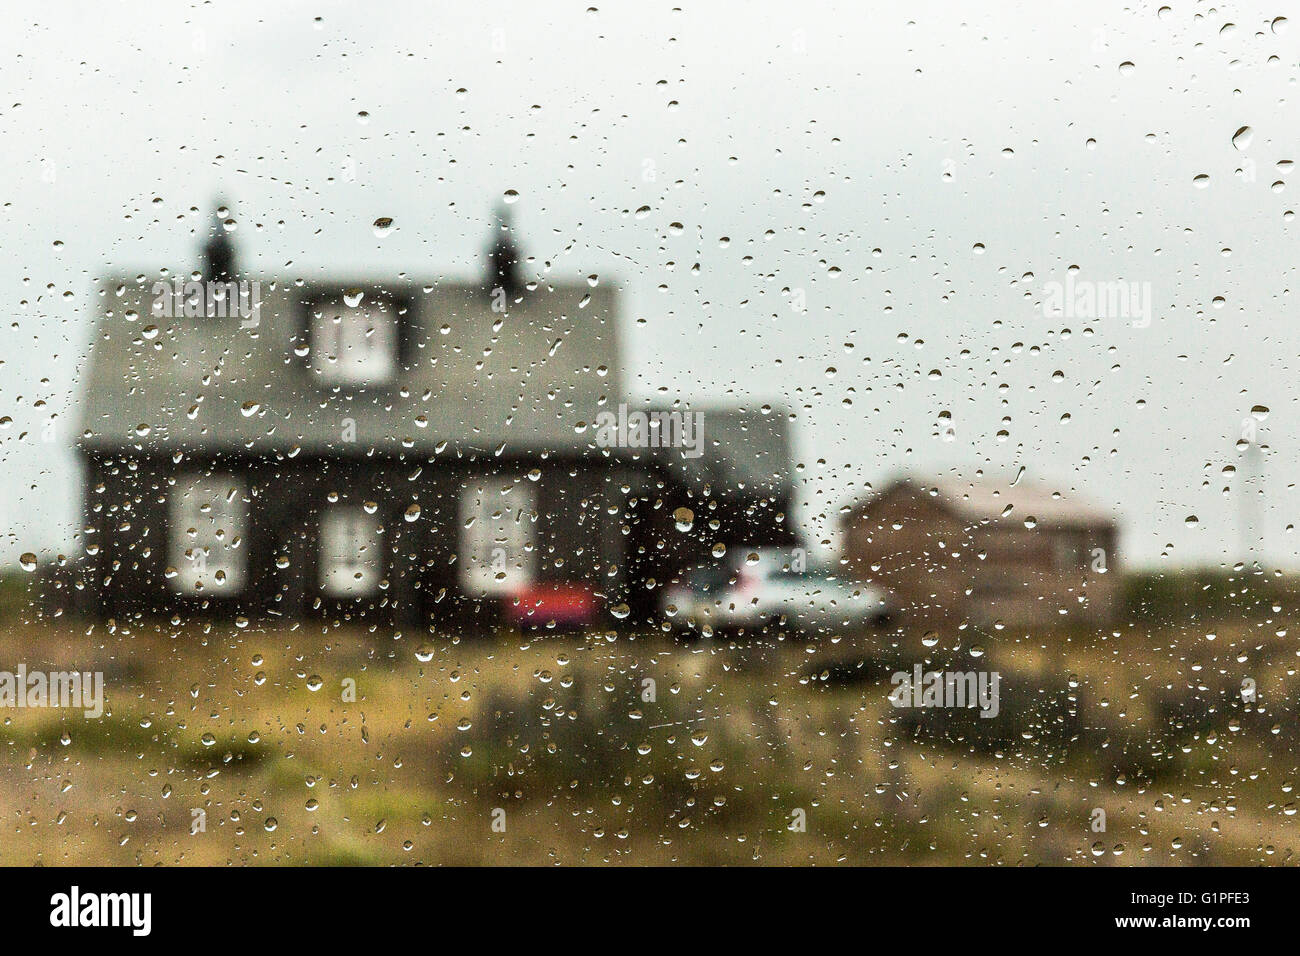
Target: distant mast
(503, 258)
(1252, 482)
(219, 250)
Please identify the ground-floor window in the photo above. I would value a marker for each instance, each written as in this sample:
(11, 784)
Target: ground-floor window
(498, 522)
(208, 520)
(351, 551)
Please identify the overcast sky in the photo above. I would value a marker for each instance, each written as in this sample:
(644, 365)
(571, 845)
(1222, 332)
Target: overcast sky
(914, 175)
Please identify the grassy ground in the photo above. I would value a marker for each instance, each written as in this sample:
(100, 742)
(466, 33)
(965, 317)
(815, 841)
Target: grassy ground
(554, 736)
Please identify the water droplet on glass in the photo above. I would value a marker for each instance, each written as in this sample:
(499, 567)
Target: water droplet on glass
(684, 518)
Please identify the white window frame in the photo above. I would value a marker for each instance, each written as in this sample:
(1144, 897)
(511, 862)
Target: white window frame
(497, 551)
(208, 520)
(351, 551)
(354, 346)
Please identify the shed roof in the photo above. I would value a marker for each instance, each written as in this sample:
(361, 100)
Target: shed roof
(977, 502)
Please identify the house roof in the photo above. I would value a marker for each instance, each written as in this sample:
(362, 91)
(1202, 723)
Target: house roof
(989, 500)
(472, 381)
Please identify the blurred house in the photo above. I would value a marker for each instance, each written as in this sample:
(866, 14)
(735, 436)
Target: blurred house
(406, 450)
(986, 553)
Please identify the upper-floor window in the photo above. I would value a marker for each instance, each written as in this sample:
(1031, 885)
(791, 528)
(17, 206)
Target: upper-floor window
(354, 345)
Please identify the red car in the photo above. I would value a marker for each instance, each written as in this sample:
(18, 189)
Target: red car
(568, 605)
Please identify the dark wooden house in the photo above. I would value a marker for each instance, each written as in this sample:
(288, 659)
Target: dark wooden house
(411, 452)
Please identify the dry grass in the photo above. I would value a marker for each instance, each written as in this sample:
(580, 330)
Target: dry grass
(553, 730)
